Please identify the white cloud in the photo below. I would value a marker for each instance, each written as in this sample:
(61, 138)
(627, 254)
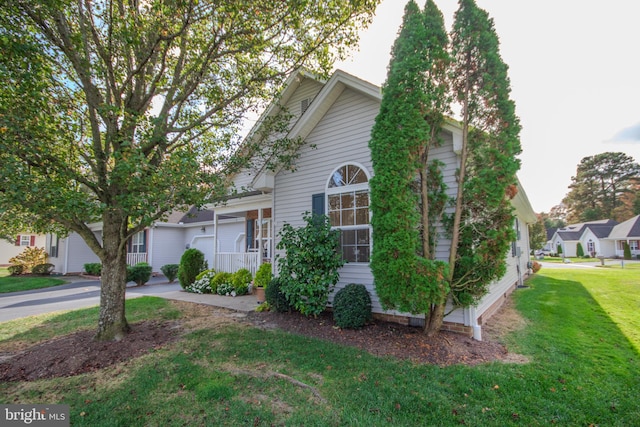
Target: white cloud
(628, 134)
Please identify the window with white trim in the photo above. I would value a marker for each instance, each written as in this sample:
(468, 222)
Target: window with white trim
(138, 243)
(348, 210)
(25, 240)
(591, 247)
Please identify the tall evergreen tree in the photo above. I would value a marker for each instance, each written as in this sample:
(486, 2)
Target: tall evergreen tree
(408, 124)
(482, 225)
(603, 188)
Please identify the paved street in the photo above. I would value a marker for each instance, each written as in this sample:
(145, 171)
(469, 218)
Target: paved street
(82, 293)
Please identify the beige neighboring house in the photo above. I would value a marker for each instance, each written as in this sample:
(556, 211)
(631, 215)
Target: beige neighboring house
(335, 117)
(22, 241)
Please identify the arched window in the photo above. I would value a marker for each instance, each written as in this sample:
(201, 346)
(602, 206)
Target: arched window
(347, 193)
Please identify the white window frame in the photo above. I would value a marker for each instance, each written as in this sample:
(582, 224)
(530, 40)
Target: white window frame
(25, 240)
(355, 189)
(138, 241)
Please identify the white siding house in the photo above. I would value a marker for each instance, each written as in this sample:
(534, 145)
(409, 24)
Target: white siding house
(331, 176)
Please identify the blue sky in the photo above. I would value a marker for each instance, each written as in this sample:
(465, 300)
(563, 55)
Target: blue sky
(575, 78)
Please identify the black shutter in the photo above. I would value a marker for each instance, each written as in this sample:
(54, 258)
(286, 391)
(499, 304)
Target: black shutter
(250, 224)
(317, 204)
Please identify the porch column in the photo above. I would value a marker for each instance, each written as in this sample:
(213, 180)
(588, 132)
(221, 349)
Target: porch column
(215, 240)
(259, 237)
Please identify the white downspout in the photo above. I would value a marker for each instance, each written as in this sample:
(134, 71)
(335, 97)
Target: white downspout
(150, 247)
(477, 329)
(65, 268)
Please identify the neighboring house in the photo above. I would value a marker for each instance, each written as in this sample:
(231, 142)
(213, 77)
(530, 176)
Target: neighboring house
(629, 232)
(333, 169)
(593, 236)
(22, 241)
(163, 243)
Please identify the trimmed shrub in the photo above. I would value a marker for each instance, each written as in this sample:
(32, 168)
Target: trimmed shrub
(536, 266)
(139, 273)
(219, 279)
(16, 270)
(579, 250)
(43, 269)
(93, 268)
(627, 251)
(241, 280)
(263, 275)
(275, 298)
(309, 269)
(29, 258)
(352, 306)
(191, 264)
(170, 271)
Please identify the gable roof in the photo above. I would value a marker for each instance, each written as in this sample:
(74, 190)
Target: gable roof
(193, 215)
(601, 228)
(627, 229)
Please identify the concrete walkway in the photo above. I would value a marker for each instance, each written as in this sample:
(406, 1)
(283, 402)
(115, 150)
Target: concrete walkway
(81, 292)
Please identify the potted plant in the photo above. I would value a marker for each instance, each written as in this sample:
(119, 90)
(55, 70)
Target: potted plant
(263, 277)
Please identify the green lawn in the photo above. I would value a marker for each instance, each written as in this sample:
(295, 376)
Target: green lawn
(581, 340)
(24, 283)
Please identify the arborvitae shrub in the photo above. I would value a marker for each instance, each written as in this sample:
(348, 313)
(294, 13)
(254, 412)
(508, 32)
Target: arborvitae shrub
(93, 268)
(170, 271)
(627, 251)
(275, 298)
(352, 306)
(43, 269)
(139, 273)
(191, 264)
(579, 250)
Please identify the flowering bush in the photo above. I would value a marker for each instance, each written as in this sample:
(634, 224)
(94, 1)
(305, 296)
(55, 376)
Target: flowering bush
(226, 289)
(203, 284)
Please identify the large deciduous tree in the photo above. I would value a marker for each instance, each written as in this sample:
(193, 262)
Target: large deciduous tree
(604, 187)
(119, 111)
(407, 190)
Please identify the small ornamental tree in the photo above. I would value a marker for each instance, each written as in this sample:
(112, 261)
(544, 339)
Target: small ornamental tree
(309, 269)
(579, 250)
(29, 258)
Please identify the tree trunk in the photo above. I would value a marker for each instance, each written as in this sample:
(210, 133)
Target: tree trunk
(112, 324)
(433, 322)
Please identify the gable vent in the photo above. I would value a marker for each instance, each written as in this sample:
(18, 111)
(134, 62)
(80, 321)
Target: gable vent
(304, 104)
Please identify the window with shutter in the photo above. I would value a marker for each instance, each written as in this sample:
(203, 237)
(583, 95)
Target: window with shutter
(347, 195)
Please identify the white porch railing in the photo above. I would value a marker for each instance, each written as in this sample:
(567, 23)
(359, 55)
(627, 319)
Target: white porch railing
(234, 261)
(134, 258)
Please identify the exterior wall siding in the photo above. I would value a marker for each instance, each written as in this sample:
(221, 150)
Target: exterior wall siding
(78, 253)
(9, 250)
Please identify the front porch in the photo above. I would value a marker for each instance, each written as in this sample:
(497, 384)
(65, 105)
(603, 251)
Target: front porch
(243, 232)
